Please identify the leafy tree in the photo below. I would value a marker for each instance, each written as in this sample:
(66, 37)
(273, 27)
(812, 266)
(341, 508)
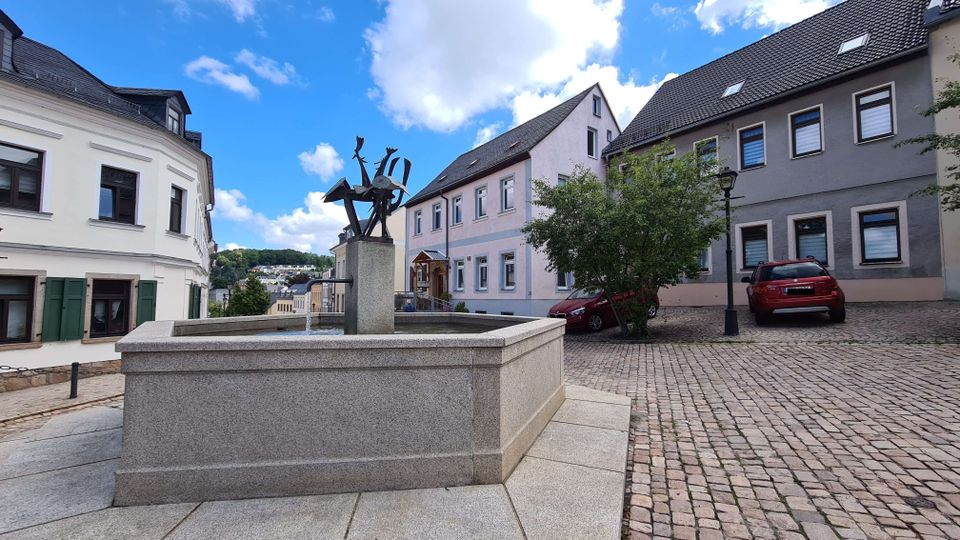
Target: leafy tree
(231, 265)
(250, 299)
(641, 230)
(947, 98)
(215, 309)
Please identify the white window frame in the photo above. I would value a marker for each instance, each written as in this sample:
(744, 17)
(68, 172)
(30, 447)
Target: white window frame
(855, 211)
(739, 243)
(476, 202)
(709, 270)
(591, 132)
(456, 213)
(856, 115)
(740, 147)
(459, 274)
(436, 217)
(513, 194)
(568, 277)
(503, 271)
(184, 192)
(792, 235)
(597, 106)
(477, 264)
(696, 152)
(609, 135)
(823, 143)
(418, 222)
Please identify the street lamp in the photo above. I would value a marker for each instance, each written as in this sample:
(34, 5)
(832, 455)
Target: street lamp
(727, 178)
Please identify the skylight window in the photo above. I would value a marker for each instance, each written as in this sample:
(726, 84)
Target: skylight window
(513, 145)
(442, 178)
(472, 163)
(854, 43)
(733, 89)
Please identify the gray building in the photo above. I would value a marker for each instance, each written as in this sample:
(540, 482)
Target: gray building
(809, 117)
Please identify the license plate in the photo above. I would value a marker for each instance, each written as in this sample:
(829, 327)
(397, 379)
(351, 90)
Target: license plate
(798, 291)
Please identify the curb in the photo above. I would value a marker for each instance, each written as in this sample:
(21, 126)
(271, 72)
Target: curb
(78, 405)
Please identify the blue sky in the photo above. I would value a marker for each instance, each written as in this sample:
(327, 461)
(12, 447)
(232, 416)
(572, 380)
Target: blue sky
(280, 88)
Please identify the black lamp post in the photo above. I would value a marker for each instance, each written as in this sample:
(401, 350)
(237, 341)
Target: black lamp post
(727, 179)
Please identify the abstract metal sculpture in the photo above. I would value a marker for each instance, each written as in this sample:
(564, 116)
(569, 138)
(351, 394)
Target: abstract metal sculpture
(379, 192)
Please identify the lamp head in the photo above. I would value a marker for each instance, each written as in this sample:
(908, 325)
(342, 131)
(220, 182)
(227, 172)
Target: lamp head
(727, 178)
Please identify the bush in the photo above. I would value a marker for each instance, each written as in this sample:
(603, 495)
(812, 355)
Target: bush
(461, 307)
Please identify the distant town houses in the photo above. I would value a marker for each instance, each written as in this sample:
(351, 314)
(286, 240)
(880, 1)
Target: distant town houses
(105, 200)
(808, 117)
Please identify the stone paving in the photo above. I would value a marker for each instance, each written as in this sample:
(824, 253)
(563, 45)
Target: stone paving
(19, 404)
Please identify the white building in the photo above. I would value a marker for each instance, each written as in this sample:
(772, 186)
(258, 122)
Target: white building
(104, 208)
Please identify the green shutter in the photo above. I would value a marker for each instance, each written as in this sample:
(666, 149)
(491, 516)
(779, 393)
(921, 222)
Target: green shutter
(71, 320)
(193, 312)
(198, 303)
(52, 306)
(146, 301)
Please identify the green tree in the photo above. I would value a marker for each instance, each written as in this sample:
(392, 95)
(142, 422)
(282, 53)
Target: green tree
(251, 299)
(947, 98)
(641, 230)
(215, 309)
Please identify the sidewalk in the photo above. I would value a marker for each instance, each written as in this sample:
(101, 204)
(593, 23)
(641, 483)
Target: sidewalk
(22, 404)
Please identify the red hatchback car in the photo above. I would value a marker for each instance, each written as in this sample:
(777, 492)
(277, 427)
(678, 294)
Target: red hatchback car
(589, 309)
(794, 286)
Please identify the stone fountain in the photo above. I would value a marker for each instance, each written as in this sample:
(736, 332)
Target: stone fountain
(247, 407)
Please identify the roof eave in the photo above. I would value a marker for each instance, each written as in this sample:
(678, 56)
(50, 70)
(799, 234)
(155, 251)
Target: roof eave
(521, 156)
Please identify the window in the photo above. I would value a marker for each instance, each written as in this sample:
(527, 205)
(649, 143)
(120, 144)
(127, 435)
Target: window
(667, 156)
(20, 172)
(707, 155)
(564, 280)
(458, 272)
(805, 134)
(508, 269)
(118, 195)
(874, 110)
(562, 179)
(506, 194)
(457, 210)
(704, 260)
(733, 89)
(436, 217)
(16, 308)
(596, 106)
(880, 236)
(754, 245)
(109, 309)
(481, 198)
(481, 273)
(591, 142)
(854, 43)
(811, 238)
(418, 222)
(752, 147)
(173, 120)
(609, 136)
(176, 209)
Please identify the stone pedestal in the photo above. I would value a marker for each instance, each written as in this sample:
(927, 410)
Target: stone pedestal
(369, 307)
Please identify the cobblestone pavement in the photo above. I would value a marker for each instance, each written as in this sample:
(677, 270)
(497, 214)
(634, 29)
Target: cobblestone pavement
(897, 322)
(776, 440)
(44, 399)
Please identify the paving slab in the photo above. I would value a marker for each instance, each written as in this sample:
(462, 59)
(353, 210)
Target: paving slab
(582, 393)
(481, 512)
(582, 445)
(290, 518)
(41, 399)
(133, 522)
(560, 500)
(40, 498)
(37, 456)
(96, 418)
(591, 413)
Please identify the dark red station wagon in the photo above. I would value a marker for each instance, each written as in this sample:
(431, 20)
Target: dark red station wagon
(794, 286)
(589, 309)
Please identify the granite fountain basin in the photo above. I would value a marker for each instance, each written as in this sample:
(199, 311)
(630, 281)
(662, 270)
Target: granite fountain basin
(210, 414)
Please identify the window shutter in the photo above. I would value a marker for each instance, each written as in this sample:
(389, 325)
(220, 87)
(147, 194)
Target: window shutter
(71, 322)
(196, 302)
(146, 301)
(52, 307)
(191, 301)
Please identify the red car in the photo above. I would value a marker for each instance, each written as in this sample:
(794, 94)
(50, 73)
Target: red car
(794, 286)
(589, 308)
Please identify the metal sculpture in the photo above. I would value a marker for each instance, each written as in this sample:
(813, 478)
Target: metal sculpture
(379, 192)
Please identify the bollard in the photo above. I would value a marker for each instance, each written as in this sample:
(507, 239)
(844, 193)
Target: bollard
(74, 376)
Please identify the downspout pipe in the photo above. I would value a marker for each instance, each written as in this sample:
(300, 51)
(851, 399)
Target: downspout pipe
(446, 230)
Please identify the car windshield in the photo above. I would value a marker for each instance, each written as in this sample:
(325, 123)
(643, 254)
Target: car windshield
(583, 294)
(792, 271)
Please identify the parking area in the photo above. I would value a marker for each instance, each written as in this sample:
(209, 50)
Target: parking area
(802, 429)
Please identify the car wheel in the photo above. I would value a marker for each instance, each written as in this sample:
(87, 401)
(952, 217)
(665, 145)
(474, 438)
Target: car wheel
(762, 318)
(838, 315)
(652, 311)
(595, 322)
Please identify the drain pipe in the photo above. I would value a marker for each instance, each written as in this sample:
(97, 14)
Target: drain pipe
(446, 230)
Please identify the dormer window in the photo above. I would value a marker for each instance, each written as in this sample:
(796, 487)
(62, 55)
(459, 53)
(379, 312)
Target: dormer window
(854, 43)
(174, 122)
(733, 89)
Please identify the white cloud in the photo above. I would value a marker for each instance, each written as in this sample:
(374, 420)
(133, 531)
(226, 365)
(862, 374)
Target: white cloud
(486, 133)
(315, 226)
(212, 71)
(269, 68)
(241, 9)
(180, 8)
(439, 63)
(324, 161)
(625, 98)
(325, 14)
(229, 246)
(714, 15)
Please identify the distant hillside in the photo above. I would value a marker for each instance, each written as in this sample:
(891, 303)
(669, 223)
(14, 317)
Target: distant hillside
(234, 264)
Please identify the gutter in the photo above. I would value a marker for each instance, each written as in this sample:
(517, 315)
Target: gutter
(768, 100)
(446, 232)
(420, 197)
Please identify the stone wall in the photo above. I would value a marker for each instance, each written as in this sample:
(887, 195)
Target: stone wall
(13, 380)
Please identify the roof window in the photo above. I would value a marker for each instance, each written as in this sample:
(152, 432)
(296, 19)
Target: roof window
(733, 89)
(513, 144)
(854, 43)
(442, 178)
(472, 163)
